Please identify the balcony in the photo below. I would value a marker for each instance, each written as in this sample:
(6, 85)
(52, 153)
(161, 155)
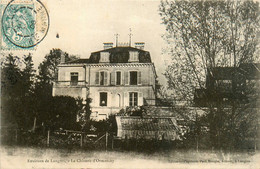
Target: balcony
(70, 84)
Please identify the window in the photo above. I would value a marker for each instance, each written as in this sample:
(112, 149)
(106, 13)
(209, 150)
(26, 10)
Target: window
(133, 99)
(133, 56)
(74, 76)
(101, 78)
(133, 78)
(103, 99)
(104, 57)
(118, 78)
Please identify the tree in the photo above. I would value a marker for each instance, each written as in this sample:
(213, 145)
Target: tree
(16, 90)
(48, 70)
(10, 83)
(48, 73)
(84, 112)
(26, 98)
(61, 113)
(206, 34)
(28, 81)
(28, 74)
(202, 35)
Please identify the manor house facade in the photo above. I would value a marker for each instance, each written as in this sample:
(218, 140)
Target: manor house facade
(114, 78)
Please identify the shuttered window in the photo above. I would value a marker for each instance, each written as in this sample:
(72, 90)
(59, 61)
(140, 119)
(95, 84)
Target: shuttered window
(118, 78)
(104, 57)
(101, 78)
(133, 78)
(133, 56)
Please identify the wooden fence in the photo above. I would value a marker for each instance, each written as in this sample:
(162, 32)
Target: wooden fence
(64, 138)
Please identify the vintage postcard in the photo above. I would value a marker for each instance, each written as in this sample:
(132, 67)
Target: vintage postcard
(129, 84)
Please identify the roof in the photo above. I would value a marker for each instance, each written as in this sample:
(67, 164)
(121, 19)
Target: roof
(147, 127)
(79, 61)
(117, 55)
(223, 73)
(119, 49)
(249, 70)
(121, 55)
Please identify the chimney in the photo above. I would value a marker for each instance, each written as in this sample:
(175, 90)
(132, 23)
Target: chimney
(62, 57)
(139, 45)
(108, 45)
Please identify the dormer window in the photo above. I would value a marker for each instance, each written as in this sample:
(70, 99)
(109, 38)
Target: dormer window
(133, 56)
(104, 57)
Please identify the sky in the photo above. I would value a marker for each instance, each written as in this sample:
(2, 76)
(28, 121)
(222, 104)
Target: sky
(84, 25)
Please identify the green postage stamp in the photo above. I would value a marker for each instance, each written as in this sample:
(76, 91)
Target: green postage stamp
(24, 24)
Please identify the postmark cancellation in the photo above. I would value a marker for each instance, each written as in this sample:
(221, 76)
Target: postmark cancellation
(25, 24)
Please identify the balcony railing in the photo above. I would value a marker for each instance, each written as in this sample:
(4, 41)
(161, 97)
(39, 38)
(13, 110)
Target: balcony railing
(70, 83)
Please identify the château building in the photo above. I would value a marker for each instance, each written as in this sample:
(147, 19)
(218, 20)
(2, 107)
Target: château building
(114, 78)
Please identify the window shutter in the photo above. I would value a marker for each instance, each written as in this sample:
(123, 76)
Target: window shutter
(105, 78)
(126, 78)
(122, 78)
(140, 99)
(112, 76)
(139, 78)
(97, 78)
(126, 99)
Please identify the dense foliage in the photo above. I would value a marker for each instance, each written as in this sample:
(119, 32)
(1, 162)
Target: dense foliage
(133, 111)
(26, 98)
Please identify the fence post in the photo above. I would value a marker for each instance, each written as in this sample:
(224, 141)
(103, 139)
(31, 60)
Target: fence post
(34, 124)
(255, 139)
(16, 136)
(48, 138)
(106, 140)
(81, 139)
(112, 141)
(126, 142)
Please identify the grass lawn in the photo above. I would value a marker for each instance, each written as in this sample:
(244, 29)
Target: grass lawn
(35, 157)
